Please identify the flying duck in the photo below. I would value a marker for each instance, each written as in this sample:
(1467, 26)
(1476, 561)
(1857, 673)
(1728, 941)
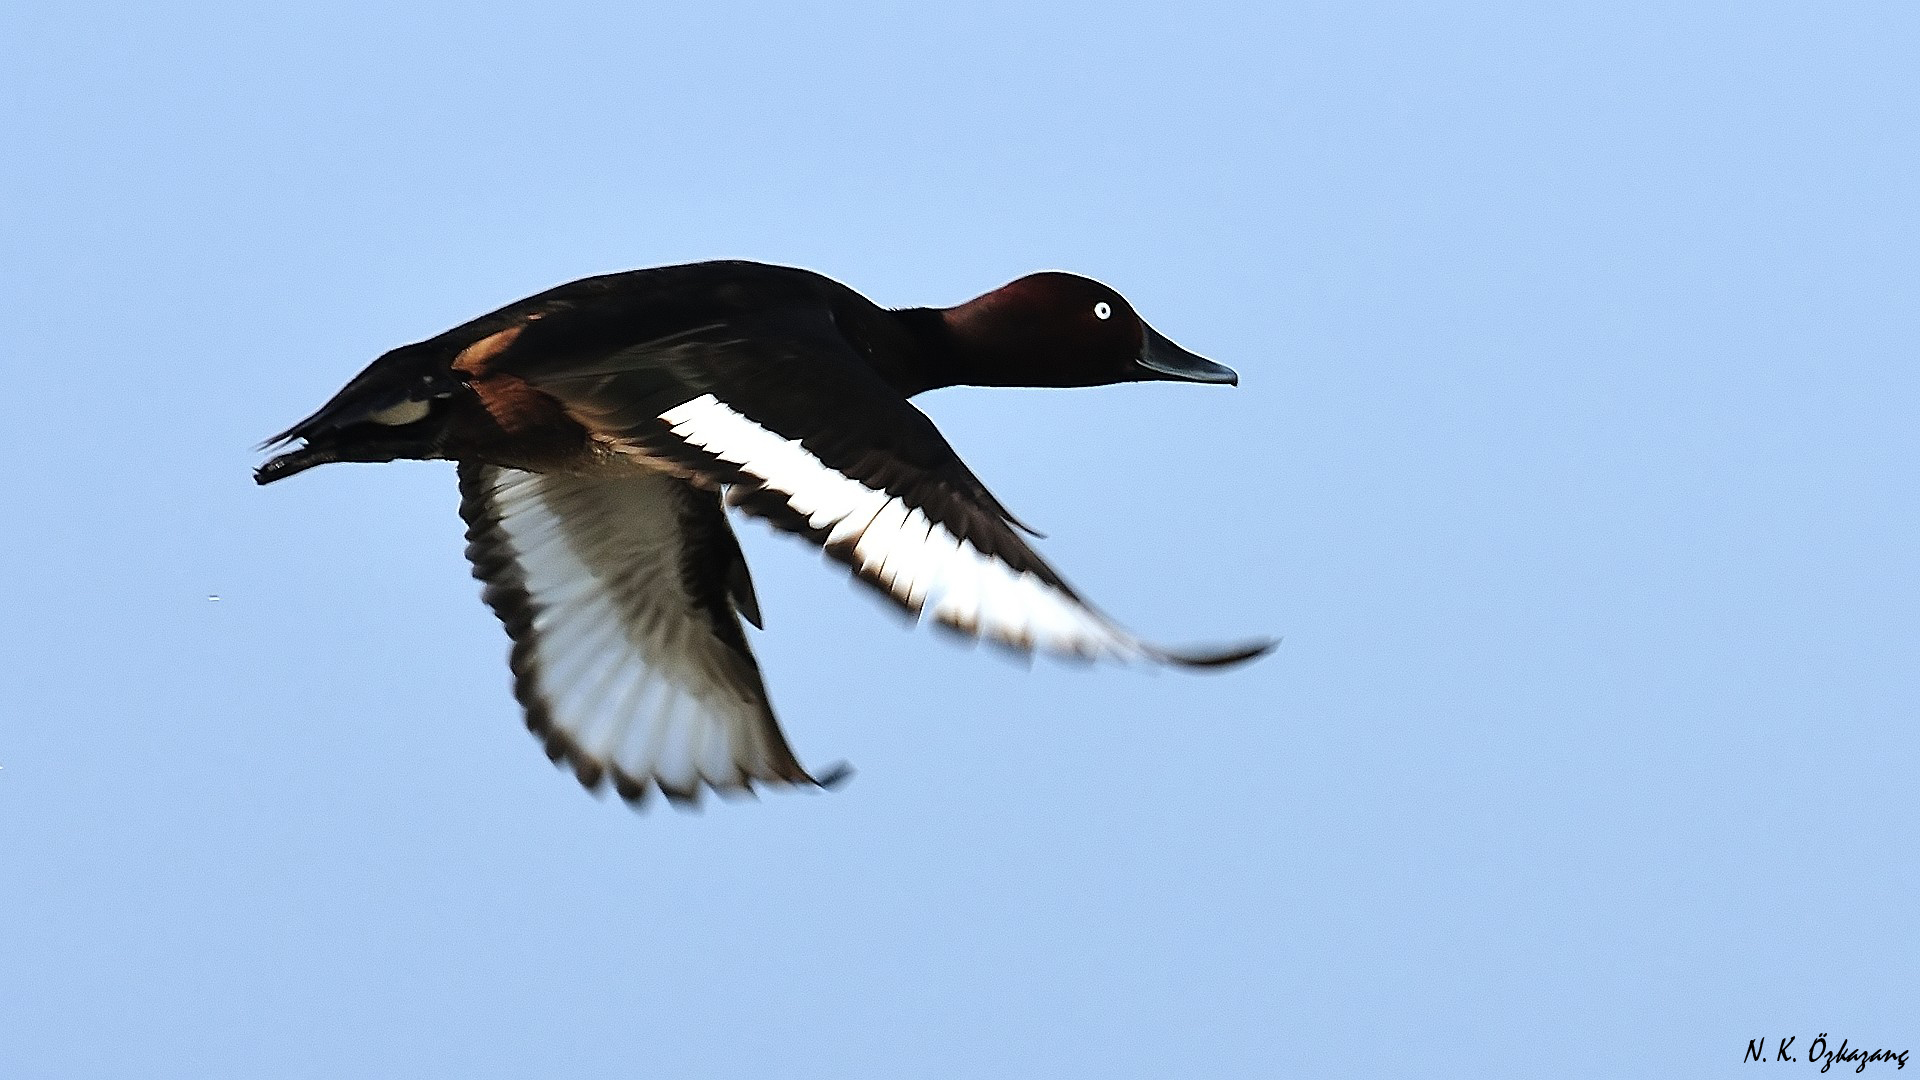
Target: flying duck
(601, 426)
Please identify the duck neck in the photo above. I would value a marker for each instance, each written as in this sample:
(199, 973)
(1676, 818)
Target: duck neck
(954, 360)
(942, 363)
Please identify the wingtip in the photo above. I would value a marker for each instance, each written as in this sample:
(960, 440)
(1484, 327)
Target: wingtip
(834, 776)
(1221, 659)
(1025, 528)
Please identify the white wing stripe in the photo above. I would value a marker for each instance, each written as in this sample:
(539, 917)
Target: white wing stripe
(918, 560)
(880, 536)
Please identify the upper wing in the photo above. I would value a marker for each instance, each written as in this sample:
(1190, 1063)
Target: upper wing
(805, 435)
(620, 591)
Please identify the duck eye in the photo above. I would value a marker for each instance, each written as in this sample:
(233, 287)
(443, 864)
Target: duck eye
(1101, 310)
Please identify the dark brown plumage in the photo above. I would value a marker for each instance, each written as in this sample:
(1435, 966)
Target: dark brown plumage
(597, 424)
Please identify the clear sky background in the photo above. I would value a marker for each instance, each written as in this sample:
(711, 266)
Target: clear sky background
(1576, 458)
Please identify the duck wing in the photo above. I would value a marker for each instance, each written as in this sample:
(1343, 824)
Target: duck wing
(784, 412)
(622, 591)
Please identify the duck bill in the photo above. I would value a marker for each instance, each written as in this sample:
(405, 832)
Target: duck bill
(1162, 359)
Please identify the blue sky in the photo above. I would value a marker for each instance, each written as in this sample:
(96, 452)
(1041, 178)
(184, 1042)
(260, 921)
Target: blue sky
(1575, 459)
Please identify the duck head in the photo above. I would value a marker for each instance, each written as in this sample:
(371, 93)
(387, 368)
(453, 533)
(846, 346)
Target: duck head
(1058, 329)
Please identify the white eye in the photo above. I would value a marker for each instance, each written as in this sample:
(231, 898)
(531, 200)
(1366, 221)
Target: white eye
(1101, 310)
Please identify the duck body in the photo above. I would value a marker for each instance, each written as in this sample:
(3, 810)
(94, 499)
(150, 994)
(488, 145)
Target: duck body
(464, 394)
(602, 426)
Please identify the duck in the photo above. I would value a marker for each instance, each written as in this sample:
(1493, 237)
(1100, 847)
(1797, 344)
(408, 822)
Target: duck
(602, 430)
